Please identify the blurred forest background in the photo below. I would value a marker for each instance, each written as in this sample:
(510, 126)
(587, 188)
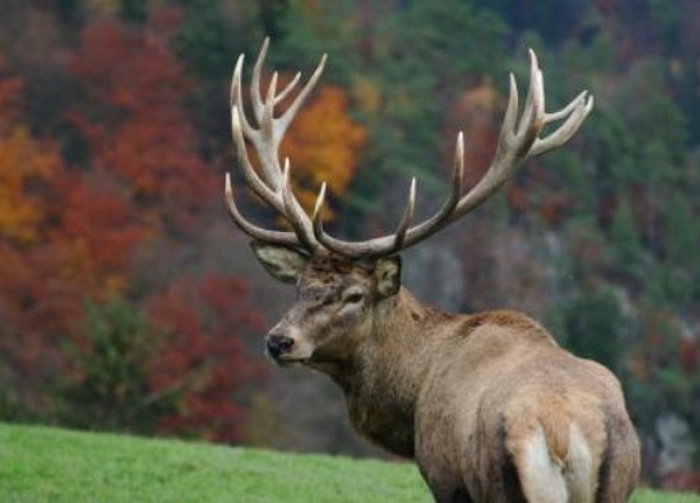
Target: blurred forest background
(129, 302)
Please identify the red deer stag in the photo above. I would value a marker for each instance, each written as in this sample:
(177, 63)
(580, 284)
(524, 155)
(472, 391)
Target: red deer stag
(491, 408)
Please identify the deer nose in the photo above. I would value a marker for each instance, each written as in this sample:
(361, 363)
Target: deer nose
(278, 344)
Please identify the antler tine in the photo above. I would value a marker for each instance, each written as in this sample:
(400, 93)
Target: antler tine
(237, 93)
(510, 118)
(373, 247)
(264, 235)
(344, 248)
(533, 112)
(251, 176)
(283, 121)
(440, 219)
(577, 111)
(317, 221)
(288, 115)
(270, 183)
(294, 211)
(318, 205)
(402, 227)
(267, 120)
(255, 81)
(288, 89)
(455, 193)
(269, 166)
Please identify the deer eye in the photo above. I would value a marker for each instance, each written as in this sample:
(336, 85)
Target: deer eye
(353, 296)
(326, 302)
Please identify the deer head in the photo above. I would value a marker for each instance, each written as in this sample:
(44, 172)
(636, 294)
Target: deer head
(341, 285)
(335, 304)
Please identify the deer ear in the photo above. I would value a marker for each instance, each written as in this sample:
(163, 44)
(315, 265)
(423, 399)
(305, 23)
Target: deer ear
(387, 271)
(283, 263)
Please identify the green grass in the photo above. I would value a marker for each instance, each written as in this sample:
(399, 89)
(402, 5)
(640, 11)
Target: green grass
(50, 465)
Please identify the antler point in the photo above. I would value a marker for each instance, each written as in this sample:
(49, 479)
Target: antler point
(533, 55)
(236, 118)
(320, 198)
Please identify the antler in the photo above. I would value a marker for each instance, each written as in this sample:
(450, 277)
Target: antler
(271, 184)
(519, 141)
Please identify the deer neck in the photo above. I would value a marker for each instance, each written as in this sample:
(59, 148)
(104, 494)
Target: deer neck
(383, 380)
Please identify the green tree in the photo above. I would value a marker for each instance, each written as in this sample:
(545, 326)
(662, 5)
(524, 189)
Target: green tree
(681, 242)
(110, 388)
(643, 103)
(593, 324)
(659, 377)
(211, 36)
(425, 56)
(553, 20)
(271, 16)
(308, 29)
(628, 253)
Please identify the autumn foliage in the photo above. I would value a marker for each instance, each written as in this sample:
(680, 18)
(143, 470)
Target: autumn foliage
(325, 144)
(110, 316)
(135, 124)
(29, 254)
(75, 231)
(198, 323)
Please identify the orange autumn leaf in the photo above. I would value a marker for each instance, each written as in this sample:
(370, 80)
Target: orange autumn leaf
(22, 163)
(323, 145)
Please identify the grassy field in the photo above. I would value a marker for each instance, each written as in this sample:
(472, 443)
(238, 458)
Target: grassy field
(50, 465)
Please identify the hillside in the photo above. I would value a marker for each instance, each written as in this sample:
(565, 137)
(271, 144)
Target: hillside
(44, 464)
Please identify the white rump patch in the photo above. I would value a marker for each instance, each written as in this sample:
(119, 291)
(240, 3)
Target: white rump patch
(578, 471)
(544, 481)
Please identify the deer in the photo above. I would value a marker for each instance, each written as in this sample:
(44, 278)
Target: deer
(488, 404)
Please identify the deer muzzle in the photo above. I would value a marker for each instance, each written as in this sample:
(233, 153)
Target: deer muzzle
(277, 345)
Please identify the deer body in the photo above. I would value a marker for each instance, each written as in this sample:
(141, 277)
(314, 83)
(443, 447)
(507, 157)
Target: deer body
(489, 405)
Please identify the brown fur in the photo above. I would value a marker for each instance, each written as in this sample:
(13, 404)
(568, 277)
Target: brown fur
(467, 396)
